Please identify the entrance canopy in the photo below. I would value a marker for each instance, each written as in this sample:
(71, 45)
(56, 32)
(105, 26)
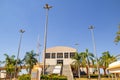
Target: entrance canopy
(114, 67)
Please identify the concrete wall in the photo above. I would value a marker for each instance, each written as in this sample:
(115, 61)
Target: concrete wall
(54, 61)
(51, 61)
(67, 61)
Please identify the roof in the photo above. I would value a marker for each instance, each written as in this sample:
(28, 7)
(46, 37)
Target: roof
(114, 65)
(58, 49)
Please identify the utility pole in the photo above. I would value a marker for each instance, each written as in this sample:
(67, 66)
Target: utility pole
(94, 47)
(21, 31)
(47, 7)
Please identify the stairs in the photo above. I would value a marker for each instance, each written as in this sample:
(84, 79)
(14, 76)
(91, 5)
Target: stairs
(49, 69)
(67, 72)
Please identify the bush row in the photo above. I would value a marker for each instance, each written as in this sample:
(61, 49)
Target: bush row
(94, 76)
(24, 77)
(53, 77)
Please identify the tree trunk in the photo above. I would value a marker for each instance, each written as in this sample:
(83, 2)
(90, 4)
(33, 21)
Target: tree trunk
(88, 71)
(10, 76)
(79, 71)
(30, 71)
(104, 69)
(99, 77)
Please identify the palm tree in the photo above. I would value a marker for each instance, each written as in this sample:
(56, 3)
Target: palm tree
(87, 58)
(106, 59)
(117, 38)
(9, 64)
(76, 63)
(19, 66)
(30, 60)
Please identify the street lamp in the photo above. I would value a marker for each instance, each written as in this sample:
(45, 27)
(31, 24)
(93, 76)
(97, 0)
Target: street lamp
(47, 7)
(21, 33)
(94, 47)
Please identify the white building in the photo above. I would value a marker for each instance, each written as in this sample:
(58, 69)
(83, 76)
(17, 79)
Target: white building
(62, 55)
(114, 67)
(59, 55)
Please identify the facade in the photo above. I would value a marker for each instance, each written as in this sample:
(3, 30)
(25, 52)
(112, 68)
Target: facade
(59, 55)
(62, 55)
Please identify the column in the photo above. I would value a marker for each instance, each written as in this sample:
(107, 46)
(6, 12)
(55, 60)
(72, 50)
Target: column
(69, 55)
(63, 55)
(55, 55)
(50, 55)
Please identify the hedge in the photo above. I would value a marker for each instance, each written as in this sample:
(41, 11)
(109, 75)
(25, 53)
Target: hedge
(94, 76)
(53, 77)
(24, 77)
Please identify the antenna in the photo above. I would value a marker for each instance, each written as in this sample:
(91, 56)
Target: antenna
(38, 49)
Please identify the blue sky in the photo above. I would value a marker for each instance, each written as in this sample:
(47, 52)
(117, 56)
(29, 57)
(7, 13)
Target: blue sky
(68, 24)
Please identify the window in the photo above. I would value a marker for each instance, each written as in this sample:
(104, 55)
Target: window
(53, 55)
(47, 55)
(59, 55)
(65, 55)
(72, 55)
(59, 61)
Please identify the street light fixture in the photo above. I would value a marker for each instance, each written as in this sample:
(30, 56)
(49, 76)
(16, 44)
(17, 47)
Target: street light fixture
(47, 7)
(94, 47)
(21, 31)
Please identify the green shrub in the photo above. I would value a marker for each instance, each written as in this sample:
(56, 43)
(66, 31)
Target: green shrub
(24, 77)
(44, 77)
(83, 76)
(104, 76)
(53, 77)
(94, 76)
(62, 78)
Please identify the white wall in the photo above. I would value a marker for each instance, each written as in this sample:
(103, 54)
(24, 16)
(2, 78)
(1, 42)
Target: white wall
(54, 61)
(67, 61)
(51, 61)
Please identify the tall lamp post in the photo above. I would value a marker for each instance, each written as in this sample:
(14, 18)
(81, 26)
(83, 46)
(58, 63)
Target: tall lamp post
(94, 47)
(47, 7)
(21, 34)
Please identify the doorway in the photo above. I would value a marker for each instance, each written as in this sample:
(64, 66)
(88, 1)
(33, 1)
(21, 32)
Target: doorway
(60, 62)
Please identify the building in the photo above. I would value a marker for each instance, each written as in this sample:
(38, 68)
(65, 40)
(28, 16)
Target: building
(62, 55)
(59, 55)
(114, 67)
